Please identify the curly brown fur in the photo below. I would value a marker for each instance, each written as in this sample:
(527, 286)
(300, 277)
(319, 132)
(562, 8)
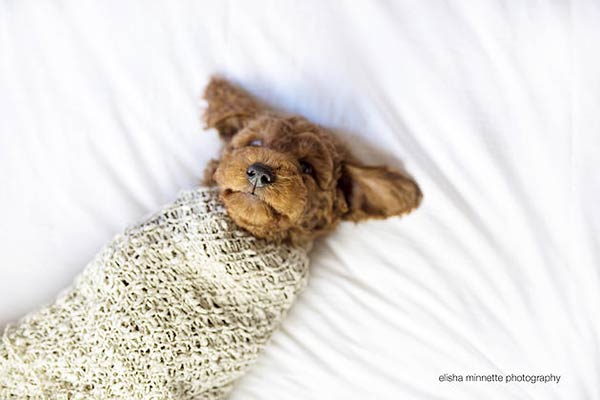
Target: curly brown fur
(316, 181)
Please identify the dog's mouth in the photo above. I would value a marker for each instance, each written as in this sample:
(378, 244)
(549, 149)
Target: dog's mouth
(250, 196)
(251, 207)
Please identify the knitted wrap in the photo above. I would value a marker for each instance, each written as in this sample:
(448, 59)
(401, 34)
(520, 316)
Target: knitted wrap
(176, 307)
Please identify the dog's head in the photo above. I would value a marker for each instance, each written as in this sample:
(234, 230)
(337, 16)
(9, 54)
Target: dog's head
(284, 177)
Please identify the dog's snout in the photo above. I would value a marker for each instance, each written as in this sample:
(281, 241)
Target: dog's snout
(260, 175)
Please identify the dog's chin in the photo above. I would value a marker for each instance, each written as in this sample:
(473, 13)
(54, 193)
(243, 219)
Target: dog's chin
(254, 213)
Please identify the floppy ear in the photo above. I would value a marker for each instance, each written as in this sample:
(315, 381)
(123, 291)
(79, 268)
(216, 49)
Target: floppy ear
(377, 192)
(229, 107)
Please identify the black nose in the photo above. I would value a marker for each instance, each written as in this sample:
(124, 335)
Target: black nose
(260, 175)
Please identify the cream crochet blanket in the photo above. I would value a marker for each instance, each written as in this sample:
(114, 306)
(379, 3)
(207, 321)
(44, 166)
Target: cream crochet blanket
(176, 307)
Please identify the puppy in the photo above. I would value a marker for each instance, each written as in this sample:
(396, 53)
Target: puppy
(181, 304)
(284, 177)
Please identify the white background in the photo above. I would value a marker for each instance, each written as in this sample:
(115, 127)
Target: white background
(493, 106)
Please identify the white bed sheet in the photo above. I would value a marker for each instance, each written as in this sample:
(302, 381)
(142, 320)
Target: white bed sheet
(493, 106)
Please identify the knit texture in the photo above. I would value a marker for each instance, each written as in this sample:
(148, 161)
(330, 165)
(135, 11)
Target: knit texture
(176, 307)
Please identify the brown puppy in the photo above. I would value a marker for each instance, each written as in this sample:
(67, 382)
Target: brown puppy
(283, 177)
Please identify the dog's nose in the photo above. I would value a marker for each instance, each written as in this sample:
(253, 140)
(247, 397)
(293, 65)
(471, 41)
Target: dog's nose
(260, 175)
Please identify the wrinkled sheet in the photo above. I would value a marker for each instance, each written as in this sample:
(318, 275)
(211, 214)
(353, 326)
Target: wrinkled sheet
(493, 106)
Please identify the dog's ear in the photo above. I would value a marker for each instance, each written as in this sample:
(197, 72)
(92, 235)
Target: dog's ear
(229, 107)
(377, 192)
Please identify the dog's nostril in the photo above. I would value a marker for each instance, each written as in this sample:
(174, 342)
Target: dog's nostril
(260, 175)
